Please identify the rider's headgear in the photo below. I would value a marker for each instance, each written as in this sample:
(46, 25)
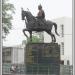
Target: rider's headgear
(40, 6)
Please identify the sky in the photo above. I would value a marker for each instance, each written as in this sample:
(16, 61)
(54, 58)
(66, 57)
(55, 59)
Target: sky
(53, 9)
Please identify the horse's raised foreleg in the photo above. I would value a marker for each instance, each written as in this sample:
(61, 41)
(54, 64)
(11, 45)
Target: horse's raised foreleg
(24, 32)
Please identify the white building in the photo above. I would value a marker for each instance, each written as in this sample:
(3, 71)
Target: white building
(13, 55)
(65, 40)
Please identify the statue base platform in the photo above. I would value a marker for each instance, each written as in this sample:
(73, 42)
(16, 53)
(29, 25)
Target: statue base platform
(42, 58)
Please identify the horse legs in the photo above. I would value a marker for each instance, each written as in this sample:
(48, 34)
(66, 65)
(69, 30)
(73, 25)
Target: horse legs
(54, 39)
(52, 36)
(30, 35)
(24, 32)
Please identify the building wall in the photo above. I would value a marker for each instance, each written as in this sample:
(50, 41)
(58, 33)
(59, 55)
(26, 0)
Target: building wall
(67, 39)
(18, 55)
(13, 55)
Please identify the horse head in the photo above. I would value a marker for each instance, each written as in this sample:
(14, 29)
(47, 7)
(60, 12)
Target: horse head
(23, 14)
(28, 15)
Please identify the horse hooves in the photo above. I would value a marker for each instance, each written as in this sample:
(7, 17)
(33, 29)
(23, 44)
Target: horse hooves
(53, 41)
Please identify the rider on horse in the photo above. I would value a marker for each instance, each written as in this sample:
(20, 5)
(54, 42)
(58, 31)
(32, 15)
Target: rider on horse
(41, 15)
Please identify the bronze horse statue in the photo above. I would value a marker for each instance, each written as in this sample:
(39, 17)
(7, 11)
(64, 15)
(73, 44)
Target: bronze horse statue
(32, 25)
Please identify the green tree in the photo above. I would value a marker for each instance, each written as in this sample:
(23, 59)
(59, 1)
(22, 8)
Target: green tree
(7, 10)
(35, 39)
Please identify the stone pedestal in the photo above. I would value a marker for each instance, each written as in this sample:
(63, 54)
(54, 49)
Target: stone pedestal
(42, 59)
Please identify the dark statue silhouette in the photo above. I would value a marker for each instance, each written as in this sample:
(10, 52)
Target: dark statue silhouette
(33, 25)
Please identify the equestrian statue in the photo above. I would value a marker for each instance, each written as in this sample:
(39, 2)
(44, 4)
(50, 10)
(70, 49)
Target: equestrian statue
(38, 23)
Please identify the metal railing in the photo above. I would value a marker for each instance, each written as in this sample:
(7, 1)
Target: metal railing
(6, 69)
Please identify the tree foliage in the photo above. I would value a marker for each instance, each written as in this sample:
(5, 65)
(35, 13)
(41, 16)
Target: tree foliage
(7, 10)
(35, 39)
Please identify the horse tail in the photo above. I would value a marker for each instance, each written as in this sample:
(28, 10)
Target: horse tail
(55, 25)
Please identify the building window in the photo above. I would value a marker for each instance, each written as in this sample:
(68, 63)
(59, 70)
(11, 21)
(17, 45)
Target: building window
(6, 55)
